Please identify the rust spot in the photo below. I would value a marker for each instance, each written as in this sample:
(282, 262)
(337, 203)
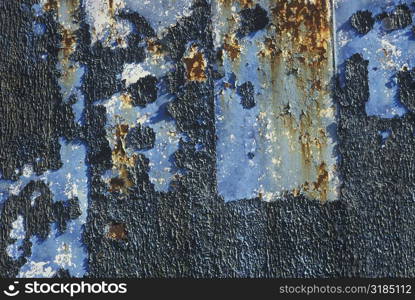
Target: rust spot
(316, 85)
(270, 48)
(68, 41)
(122, 182)
(232, 47)
(154, 46)
(227, 85)
(119, 156)
(195, 65)
(246, 3)
(306, 139)
(51, 5)
(306, 26)
(117, 231)
(296, 192)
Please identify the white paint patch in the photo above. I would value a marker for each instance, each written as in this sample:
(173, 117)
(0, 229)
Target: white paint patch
(103, 24)
(161, 14)
(17, 233)
(132, 73)
(40, 269)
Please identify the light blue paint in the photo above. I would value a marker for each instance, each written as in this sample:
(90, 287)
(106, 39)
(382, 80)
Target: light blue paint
(39, 29)
(259, 150)
(65, 183)
(78, 107)
(399, 44)
(154, 115)
(235, 169)
(37, 9)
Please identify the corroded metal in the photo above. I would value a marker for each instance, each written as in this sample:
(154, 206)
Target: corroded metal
(284, 144)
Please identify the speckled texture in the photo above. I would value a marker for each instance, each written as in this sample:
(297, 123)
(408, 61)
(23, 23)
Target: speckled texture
(189, 230)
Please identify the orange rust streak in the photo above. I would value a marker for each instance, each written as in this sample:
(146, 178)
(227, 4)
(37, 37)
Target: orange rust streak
(121, 161)
(322, 182)
(298, 46)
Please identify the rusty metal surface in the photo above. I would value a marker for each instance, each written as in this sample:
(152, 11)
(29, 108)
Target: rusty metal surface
(285, 141)
(225, 138)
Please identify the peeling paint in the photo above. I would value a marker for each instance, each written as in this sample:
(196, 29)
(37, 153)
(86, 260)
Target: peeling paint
(382, 47)
(290, 64)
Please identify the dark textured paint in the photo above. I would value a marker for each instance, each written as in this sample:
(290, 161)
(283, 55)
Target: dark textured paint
(406, 81)
(252, 19)
(32, 112)
(190, 231)
(141, 138)
(144, 91)
(398, 19)
(33, 118)
(362, 21)
(246, 92)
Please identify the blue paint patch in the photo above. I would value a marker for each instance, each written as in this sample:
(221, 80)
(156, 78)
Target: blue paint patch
(58, 250)
(388, 52)
(238, 156)
(37, 10)
(39, 29)
(167, 138)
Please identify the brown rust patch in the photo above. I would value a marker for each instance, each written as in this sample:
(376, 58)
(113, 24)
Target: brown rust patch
(68, 42)
(154, 47)
(195, 64)
(270, 48)
(122, 182)
(232, 47)
(246, 3)
(117, 231)
(51, 5)
(121, 162)
(111, 7)
(322, 183)
(306, 26)
(242, 3)
(119, 155)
